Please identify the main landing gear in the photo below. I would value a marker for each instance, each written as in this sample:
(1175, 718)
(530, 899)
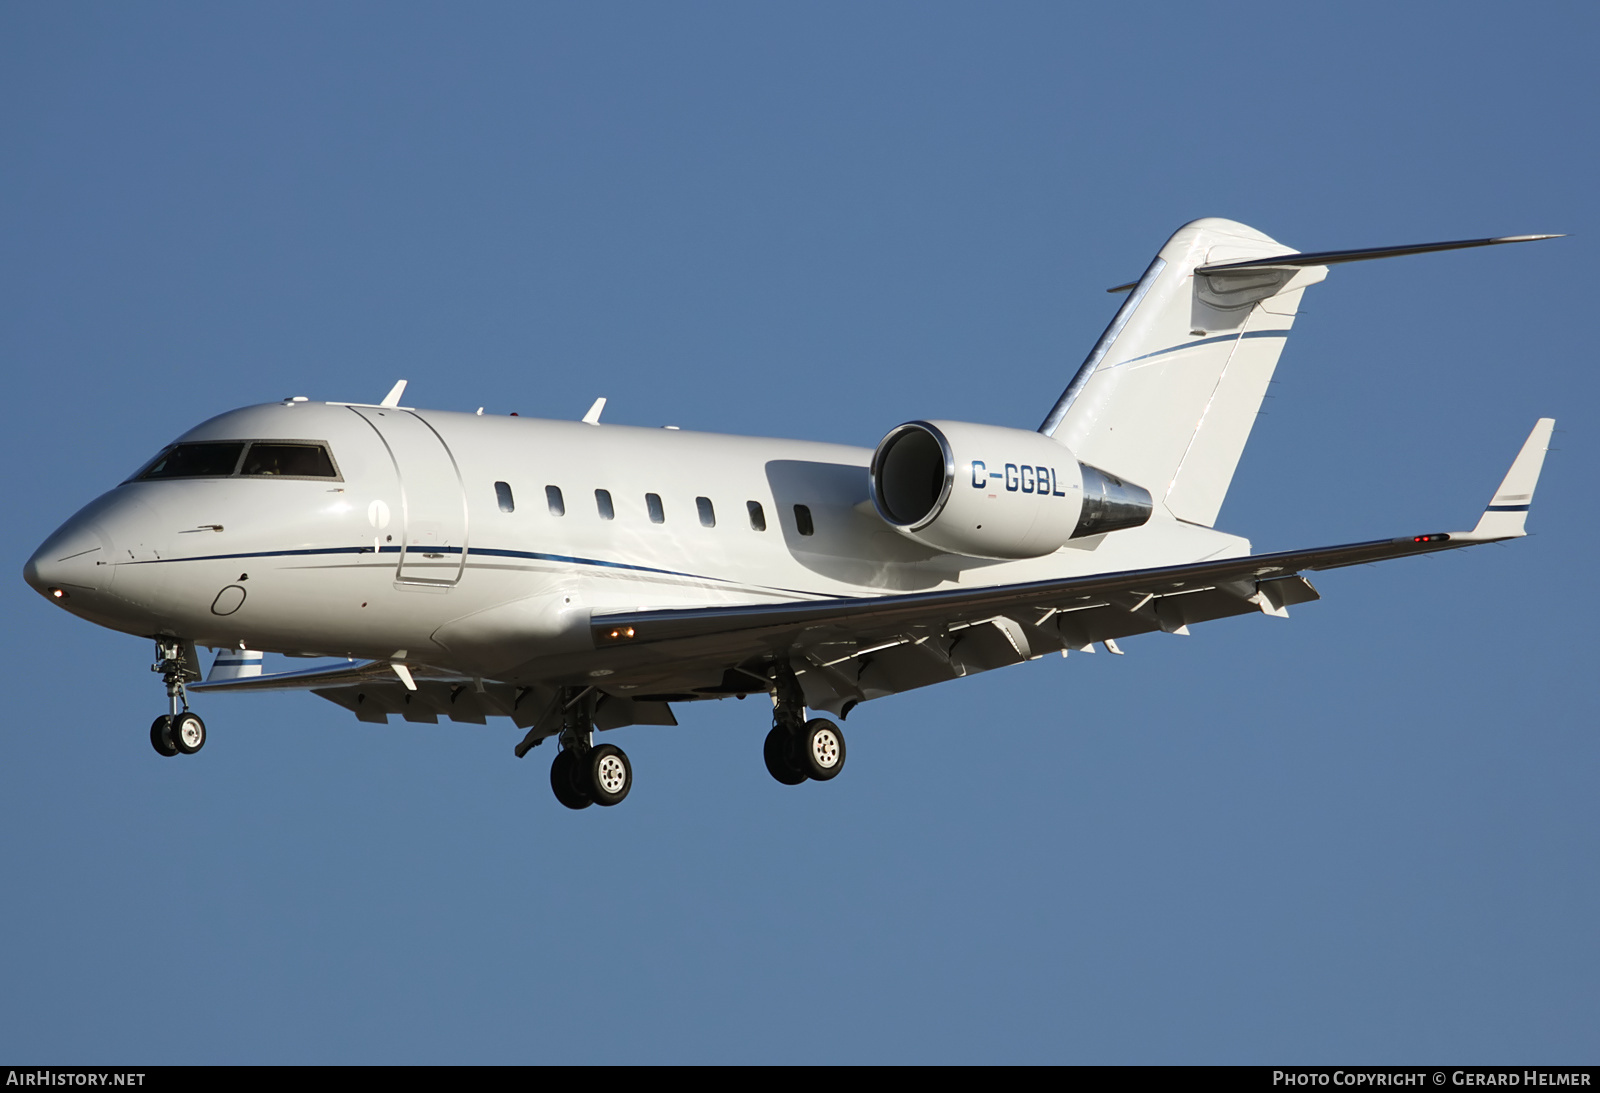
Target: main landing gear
(179, 732)
(798, 750)
(583, 773)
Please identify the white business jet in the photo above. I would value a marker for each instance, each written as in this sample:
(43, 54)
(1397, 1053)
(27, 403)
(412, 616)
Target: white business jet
(580, 576)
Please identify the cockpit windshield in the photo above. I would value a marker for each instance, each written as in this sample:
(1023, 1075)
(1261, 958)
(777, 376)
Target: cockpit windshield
(218, 460)
(254, 459)
(289, 460)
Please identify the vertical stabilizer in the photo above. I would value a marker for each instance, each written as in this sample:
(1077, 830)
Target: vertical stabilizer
(1169, 394)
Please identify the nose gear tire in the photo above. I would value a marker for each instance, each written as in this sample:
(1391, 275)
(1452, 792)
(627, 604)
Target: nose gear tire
(188, 733)
(161, 736)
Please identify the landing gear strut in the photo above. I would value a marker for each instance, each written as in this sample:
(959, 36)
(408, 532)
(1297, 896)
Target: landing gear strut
(798, 750)
(179, 732)
(584, 774)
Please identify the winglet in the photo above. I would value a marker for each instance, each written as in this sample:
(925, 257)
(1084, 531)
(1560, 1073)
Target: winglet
(392, 399)
(593, 416)
(1508, 509)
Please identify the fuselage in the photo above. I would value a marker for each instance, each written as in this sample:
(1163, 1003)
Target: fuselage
(482, 544)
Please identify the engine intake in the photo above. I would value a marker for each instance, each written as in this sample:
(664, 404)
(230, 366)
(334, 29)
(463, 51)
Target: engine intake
(990, 492)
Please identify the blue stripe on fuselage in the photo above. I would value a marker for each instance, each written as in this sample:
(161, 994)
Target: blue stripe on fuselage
(472, 552)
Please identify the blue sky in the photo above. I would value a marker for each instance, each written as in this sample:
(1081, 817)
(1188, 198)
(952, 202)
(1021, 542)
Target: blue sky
(1368, 833)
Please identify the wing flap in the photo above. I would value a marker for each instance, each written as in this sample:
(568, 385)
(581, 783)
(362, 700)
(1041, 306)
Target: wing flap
(351, 671)
(834, 679)
(374, 700)
(866, 618)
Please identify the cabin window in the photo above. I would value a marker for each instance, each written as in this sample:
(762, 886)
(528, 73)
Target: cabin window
(652, 501)
(502, 494)
(708, 515)
(552, 497)
(758, 519)
(602, 502)
(215, 460)
(288, 461)
(802, 520)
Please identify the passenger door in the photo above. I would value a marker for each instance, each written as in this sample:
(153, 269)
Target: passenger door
(433, 500)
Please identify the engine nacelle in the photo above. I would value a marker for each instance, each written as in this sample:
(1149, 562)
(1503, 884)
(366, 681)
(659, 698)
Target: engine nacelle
(990, 492)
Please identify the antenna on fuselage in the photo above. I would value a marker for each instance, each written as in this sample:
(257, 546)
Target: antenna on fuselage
(392, 399)
(593, 416)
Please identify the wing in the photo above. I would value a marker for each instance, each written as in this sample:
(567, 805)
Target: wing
(855, 649)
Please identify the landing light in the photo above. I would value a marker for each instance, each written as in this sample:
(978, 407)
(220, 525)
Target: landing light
(57, 593)
(621, 633)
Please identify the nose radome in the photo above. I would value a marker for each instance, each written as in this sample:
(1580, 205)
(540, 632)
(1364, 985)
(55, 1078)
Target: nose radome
(71, 560)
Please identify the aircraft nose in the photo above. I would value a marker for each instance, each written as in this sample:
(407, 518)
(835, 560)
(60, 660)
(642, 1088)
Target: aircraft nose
(72, 561)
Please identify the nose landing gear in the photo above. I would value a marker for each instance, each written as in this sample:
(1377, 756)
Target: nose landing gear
(179, 732)
(181, 735)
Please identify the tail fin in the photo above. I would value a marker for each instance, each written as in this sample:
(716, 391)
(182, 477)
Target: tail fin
(1171, 390)
(1170, 393)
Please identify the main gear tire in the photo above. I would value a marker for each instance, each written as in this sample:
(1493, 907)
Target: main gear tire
(821, 749)
(610, 774)
(780, 752)
(566, 776)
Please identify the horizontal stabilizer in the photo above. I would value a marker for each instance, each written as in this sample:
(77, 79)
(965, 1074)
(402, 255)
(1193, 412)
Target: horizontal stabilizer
(1508, 509)
(1335, 257)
